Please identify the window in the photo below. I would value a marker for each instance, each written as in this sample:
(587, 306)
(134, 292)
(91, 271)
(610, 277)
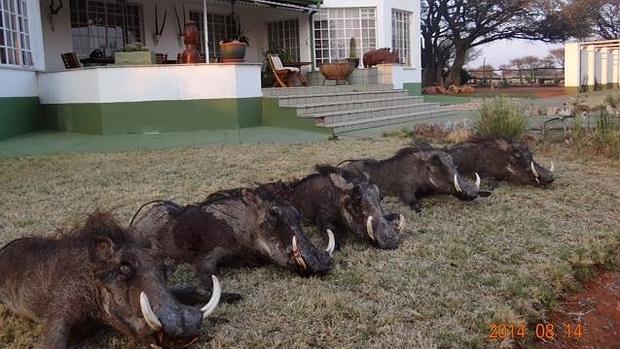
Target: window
(105, 25)
(15, 46)
(401, 41)
(220, 28)
(334, 28)
(285, 36)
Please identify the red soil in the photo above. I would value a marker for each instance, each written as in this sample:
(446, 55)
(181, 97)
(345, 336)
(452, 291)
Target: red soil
(539, 92)
(596, 309)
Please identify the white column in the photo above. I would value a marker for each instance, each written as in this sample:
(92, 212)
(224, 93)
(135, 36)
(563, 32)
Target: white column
(603, 53)
(591, 67)
(206, 30)
(572, 65)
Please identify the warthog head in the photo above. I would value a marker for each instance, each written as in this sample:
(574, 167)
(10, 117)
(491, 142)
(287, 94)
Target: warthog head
(441, 176)
(278, 234)
(361, 210)
(133, 295)
(504, 160)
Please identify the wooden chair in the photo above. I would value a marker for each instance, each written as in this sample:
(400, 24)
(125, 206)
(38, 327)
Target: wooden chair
(71, 60)
(285, 76)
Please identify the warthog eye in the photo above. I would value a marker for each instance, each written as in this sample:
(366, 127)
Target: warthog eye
(125, 271)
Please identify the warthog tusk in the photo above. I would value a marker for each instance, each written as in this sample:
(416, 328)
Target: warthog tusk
(433, 182)
(401, 224)
(298, 257)
(369, 229)
(552, 168)
(510, 170)
(534, 169)
(331, 244)
(456, 184)
(477, 180)
(537, 180)
(155, 346)
(148, 313)
(216, 293)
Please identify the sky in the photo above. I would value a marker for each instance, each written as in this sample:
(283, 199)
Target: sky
(501, 52)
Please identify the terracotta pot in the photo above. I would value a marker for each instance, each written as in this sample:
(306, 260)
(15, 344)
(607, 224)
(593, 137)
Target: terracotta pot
(191, 35)
(233, 51)
(336, 71)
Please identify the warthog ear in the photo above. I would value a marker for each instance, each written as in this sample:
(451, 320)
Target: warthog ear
(250, 197)
(340, 182)
(101, 249)
(503, 144)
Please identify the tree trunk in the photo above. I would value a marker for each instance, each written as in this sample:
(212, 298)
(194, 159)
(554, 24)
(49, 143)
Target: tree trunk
(454, 76)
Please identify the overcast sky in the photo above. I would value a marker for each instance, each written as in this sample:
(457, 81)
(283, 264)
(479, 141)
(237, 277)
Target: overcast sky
(501, 52)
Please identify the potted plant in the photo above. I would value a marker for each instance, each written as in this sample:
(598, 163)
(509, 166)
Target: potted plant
(233, 50)
(353, 58)
(134, 54)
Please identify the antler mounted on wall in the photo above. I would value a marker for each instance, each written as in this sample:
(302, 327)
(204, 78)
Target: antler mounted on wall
(54, 9)
(159, 30)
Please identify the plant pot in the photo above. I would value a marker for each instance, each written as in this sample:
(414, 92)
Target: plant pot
(233, 51)
(336, 71)
(134, 58)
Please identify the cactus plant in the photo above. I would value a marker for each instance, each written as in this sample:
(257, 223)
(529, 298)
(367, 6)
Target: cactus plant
(352, 48)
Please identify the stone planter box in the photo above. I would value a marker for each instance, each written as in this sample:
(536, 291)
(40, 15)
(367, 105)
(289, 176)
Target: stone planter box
(135, 58)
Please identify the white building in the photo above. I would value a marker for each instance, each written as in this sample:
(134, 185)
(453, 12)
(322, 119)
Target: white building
(591, 65)
(36, 91)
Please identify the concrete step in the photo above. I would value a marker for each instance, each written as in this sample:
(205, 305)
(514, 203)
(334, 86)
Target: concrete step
(372, 113)
(294, 101)
(318, 108)
(314, 90)
(383, 122)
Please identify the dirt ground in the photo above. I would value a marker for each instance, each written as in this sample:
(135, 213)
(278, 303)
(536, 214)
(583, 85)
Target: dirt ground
(590, 318)
(461, 265)
(538, 92)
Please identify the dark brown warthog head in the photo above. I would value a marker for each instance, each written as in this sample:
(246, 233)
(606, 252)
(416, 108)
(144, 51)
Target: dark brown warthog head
(441, 176)
(503, 160)
(277, 233)
(360, 208)
(97, 271)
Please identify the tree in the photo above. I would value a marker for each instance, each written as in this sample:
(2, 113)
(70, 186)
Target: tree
(606, 18)
(556, 57)
(451, 28)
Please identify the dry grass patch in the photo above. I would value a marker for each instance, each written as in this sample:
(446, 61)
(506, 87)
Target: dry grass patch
(461, 265)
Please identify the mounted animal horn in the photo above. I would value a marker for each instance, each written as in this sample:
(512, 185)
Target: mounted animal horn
(149, 315)
(159, 29)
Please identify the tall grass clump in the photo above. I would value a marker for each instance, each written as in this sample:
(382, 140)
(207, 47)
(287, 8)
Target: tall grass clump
(500, 117)
(603, 139)
(612, 99)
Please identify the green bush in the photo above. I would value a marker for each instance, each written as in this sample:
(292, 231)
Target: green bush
(499, 117)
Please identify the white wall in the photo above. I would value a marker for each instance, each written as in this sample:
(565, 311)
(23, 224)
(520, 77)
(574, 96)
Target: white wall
(150, 83)
(17, 83)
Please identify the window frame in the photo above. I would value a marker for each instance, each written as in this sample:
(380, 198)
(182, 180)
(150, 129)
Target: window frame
(229, 22)
(16, 45)
(328, 17)
(401, 34)
(93, 38)
(281, 33)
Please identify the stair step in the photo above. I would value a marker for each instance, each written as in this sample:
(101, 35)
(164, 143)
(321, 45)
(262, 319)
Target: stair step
(373, 113)
(294, 101)
(313, 90)
(317, 108)
(360, 124)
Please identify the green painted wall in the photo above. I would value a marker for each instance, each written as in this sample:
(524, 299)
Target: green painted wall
(413, 88)
(162, 116)
(19, 115)
(276, 116)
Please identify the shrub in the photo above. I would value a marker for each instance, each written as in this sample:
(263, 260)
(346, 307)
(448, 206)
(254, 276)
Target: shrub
(612, 99)
(499, 117)
(604, 139)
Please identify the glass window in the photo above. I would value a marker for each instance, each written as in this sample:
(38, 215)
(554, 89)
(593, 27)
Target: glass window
(220, 28)
(14, 34)
(401, 40)
(334, 28)
(285, 36)
(105, 25)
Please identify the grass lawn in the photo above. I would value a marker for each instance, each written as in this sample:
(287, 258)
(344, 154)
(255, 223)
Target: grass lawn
(461, 265)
